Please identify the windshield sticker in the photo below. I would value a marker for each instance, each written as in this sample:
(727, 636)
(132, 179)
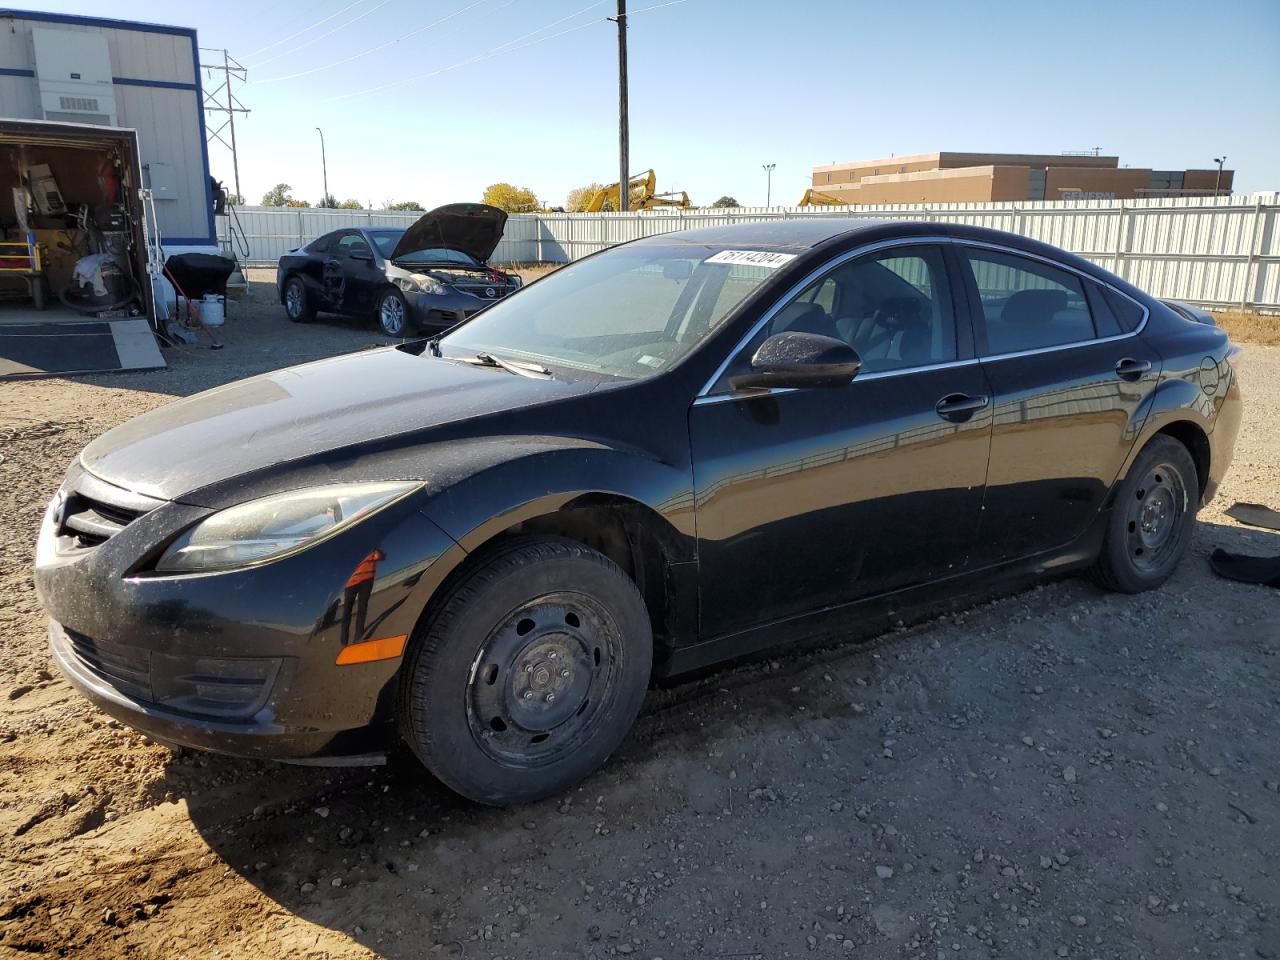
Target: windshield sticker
(753, 258)
(649, 361)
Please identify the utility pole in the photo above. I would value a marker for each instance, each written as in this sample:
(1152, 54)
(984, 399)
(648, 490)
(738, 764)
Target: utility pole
(624, 146)
(324, 169)
(768, 183)
(1217, 184)
(221, 100)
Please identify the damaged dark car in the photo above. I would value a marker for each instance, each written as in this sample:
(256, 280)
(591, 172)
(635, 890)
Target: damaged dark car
(429, 277)
(668, 455)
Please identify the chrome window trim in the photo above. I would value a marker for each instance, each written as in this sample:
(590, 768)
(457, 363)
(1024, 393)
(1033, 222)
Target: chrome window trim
(706, 396)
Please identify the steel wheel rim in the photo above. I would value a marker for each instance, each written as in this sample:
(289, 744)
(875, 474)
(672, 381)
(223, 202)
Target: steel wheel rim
(293, 300)
(392, 314)
(541, 679)
(1153, 520)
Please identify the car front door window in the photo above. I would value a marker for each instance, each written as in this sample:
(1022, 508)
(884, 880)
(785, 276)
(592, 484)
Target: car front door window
(814, 497)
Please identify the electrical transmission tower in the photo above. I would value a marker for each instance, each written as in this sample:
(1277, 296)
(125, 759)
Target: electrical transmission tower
(221, 105)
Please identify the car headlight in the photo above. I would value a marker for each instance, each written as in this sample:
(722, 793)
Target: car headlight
(269, 528)
(421, 283)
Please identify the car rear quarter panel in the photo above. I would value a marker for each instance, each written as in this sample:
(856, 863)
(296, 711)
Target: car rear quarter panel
(1197, 387)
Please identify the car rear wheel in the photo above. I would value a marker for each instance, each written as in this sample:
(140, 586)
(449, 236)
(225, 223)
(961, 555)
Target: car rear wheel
(529, 674)
(297, 305)
(393, 313)
(1151, 520)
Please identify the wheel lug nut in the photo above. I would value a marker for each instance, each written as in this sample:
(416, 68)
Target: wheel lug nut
(551, 655)
(551, 697)
(565, 674)
(528, 694)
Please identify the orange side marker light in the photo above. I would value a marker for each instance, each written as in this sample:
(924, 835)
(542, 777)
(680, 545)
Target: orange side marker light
(388, 648)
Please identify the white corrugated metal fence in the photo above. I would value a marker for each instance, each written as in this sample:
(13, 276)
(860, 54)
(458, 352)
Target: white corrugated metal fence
(1217, 251)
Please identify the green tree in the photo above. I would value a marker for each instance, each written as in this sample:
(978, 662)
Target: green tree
(297, 203)
(277, 196)
(350, 205)
(235, 199)
(329, 201)
(512, 199)
(726, 201)
(406, 205)
(579, 197)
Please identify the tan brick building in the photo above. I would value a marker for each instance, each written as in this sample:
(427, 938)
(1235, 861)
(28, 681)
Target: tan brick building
(984, 177)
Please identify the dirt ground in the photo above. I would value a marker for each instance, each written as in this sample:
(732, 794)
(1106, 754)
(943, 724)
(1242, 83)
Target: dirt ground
(1058, 773)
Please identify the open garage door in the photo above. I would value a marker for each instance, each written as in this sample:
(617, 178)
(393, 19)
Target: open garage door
(75, 294)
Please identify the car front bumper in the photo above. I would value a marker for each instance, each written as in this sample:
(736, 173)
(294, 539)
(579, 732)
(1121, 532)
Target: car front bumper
(241, 662)
(438, 311)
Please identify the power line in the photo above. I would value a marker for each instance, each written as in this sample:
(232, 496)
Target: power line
(509, 47)
(276, 43)
(381, 46)
(327, 33)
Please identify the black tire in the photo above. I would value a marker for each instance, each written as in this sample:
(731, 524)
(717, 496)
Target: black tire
(392, 313)
(1150, 525)
(529, 674)
(301, 309)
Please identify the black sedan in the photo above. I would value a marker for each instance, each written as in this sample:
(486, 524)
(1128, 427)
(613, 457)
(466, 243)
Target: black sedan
(433, 275)
(670, 454)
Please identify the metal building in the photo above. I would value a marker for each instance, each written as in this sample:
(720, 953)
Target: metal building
(102, 153)
(117, 73)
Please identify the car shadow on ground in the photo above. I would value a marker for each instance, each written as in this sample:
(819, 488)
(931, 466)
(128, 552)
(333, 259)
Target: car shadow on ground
(392, 859)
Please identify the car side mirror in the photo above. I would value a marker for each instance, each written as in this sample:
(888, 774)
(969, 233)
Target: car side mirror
(796, 359)
(357, 255)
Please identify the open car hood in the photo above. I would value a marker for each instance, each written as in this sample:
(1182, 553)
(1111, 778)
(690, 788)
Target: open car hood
(472, 228)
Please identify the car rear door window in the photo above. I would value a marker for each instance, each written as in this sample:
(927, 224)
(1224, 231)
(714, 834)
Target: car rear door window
(1028, 305)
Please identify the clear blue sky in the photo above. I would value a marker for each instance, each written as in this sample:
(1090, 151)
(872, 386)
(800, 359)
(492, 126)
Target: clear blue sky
(719, 87)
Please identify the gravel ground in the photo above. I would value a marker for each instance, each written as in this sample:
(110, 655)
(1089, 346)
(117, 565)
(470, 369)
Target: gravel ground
(1058, 773)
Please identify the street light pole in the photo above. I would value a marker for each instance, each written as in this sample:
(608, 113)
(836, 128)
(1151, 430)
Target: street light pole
(768, 183)
(1217, 183)
(324, 169)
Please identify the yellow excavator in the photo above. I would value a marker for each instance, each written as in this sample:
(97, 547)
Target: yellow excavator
(641, 195)
(816, 198)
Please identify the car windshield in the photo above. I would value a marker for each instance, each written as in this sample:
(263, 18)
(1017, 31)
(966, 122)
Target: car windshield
(387, 240)
(630, 312)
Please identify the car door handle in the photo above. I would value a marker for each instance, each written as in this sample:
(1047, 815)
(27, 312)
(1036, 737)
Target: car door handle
(1130, 369)
(959, 407)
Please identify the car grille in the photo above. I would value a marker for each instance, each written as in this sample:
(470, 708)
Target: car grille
(93, 512)
(128, 669)
(482, 288)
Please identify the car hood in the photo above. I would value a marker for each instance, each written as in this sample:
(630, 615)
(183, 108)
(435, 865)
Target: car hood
(472, 228)
(299, 412)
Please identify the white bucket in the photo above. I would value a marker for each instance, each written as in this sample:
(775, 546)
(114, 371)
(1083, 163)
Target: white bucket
(212, 310)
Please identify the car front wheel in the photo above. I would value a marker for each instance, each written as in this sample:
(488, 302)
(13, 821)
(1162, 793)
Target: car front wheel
(1151, 521)
(529, 674)
(393, 313)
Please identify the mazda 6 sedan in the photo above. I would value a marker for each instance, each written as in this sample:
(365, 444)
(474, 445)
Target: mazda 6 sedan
(674, 453)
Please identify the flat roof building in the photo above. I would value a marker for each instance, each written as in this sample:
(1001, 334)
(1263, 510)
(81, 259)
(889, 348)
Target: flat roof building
(947, 177)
